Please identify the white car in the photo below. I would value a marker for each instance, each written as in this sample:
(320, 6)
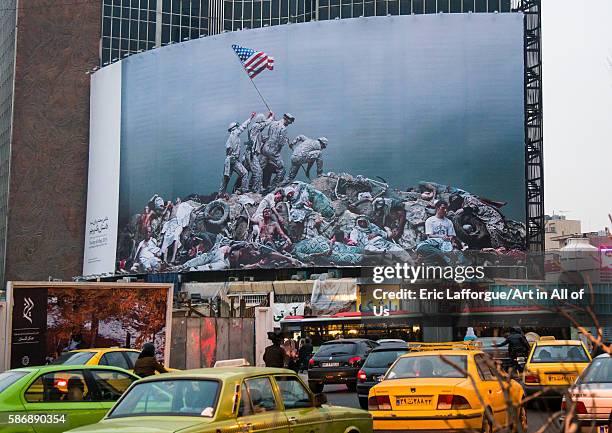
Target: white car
(592, 396)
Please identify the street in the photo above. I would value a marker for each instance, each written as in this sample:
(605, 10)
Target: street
(339, 395)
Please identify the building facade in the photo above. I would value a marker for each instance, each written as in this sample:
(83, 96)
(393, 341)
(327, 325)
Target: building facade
(45, 53)
(132, 26)
(556, 228)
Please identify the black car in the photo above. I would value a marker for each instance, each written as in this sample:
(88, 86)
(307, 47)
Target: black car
(338, 361)
(498, 354)
(375, 366)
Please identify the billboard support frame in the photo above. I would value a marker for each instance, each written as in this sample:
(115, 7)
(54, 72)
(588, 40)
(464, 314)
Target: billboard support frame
(534, 143)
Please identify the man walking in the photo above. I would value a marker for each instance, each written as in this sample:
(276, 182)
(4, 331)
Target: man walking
(232, 156)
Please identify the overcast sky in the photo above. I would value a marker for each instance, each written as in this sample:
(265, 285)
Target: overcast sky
(577, 86)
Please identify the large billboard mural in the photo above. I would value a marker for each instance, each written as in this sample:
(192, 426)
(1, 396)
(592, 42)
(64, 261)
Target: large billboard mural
(341, 143)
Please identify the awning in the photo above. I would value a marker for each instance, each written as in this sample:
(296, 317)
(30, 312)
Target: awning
(346, 317)
(206, 290)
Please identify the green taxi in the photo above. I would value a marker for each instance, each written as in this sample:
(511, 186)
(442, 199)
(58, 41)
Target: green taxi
(228, 400)
(56, 398)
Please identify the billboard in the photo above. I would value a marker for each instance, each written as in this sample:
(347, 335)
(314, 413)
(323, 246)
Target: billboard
(362, 129)
(48, 318)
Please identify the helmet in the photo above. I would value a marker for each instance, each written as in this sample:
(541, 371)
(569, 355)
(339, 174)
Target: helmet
(232, 126)
(289, 117)
(259, 118)
(323, 140)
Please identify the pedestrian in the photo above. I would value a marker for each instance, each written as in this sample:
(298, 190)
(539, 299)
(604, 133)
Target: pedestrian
(305, 353)
(146, 364)
(470, 335)
(274, 355)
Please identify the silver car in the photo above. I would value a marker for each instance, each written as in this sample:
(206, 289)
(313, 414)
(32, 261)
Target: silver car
(592, 396)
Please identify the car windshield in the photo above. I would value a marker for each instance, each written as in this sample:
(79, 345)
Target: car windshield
(10, 377)
(383, 358)
(428, 367)
(600, 371)
(188, 397)
(73, 358)
(331, 349)
(560, 353)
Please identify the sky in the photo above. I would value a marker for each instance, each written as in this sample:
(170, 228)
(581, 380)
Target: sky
(577, 91)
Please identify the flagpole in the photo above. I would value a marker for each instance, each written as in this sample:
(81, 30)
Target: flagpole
(252, 82)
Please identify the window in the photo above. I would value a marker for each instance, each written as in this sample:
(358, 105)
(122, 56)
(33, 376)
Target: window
(560, 353)
(293, 393)
(10, 377)
(184, 397)
(116, 359)
(59, 386)
(73, 358)
(330, 349)
(245, 403)
(132, 357)
(261, 395)
(428, 366)
(383, 358)
(110, 384)
(484, 369)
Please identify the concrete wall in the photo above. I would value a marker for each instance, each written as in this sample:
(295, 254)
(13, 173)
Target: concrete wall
(201, 341)
(56, 45)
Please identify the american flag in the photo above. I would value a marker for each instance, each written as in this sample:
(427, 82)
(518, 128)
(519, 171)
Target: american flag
(253, 61)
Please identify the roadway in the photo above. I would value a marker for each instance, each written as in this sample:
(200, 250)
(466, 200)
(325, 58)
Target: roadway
(340, 396)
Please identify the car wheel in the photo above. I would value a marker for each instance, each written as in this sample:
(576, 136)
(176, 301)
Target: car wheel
(487, 425)
(363, 403)
(352, 387)
(315, 387)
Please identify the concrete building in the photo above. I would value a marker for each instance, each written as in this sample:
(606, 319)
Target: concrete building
(558, 226)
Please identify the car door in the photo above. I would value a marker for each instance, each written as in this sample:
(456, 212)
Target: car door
(64, 397)
(108, 386)
(299, 406)
(492, 387)
(259, 411)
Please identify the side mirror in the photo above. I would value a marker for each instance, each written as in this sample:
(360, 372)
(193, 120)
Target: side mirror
(320, 399)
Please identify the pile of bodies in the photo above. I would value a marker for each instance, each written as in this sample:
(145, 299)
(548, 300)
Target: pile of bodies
(335, 220)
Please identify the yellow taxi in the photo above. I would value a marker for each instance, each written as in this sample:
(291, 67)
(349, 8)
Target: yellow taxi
(553, 365)
(450, 387)
(113, 356)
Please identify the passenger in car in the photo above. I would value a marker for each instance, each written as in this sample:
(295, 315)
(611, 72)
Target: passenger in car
(76, 389)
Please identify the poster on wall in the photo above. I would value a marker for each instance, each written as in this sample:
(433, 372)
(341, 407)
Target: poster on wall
(339, 143)
(48, 319)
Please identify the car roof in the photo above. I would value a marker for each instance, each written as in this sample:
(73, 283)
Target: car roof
(445, 352)
(390, 347)
(62, 367)
(106, 349)
(603, 355)
(221, 373)
(559, 343)
(347, 340)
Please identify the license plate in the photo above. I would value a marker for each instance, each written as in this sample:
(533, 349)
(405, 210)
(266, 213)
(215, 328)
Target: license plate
(330, 364)
(565, 378)
(414, 401)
